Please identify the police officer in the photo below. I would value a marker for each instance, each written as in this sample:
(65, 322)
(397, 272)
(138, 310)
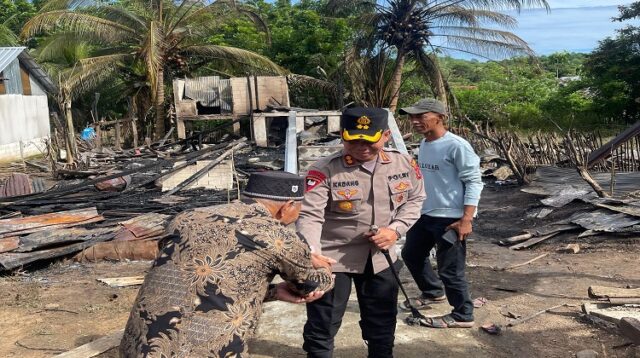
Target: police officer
(346, 194)
(203, 296)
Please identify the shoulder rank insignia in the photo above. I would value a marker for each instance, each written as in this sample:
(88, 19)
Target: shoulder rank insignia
(313, 178)
(385, 158)
(416, 168)
(349, 160)
(347, 193)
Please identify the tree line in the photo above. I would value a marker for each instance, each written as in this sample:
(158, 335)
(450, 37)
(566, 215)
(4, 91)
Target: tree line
(334, 52)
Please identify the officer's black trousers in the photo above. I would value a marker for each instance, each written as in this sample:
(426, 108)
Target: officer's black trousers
(422, 237)
(377, 298)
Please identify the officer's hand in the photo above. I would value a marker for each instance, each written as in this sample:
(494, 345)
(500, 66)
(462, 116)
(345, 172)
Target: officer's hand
(385, 238)
(463, 227)
(284, 293)
(320, 261)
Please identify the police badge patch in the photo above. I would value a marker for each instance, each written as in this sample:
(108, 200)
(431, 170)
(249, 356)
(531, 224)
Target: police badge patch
(313, 178)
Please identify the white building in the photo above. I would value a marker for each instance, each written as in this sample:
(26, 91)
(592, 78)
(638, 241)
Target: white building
(24, 111)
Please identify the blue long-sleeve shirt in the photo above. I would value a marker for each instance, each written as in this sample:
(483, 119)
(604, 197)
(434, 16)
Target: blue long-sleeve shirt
(452, 178)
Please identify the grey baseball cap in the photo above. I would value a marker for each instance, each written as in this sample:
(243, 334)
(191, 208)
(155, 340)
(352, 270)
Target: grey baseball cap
(425, 105)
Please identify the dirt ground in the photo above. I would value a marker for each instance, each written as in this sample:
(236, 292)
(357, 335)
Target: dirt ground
(49, 310)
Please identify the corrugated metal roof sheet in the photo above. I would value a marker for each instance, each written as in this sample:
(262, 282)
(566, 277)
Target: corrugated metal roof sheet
(8, 54)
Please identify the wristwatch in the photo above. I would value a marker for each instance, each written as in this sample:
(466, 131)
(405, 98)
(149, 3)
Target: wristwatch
(398, 234)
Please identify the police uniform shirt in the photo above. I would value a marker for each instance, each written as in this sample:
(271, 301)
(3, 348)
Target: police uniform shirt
(343, 199)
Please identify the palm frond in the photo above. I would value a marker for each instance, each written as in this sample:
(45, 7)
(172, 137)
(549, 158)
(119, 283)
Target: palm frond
(481, 33)
(235, 55)
(105, 30)
(90, 72)
(7, 37)
(302, 81)
(52, 5)
(260, 23)
(457, 15)
(152, 52)
(517, 5)
(129, 16)
(62, 48)
(487, 47)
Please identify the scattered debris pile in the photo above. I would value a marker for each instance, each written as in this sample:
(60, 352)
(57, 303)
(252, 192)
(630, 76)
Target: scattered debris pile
(615, 308)
(117, 205)
(614, 217)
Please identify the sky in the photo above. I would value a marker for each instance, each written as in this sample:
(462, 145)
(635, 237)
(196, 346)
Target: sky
(572, 25)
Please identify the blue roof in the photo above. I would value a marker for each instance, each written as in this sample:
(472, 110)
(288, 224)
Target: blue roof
(8, 54)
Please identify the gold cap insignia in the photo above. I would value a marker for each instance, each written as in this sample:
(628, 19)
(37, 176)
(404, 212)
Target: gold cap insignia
(363, 122)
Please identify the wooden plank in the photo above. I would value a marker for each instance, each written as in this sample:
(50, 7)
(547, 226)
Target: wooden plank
(630, 328)
(122, 281)
(11, 260)
(9, 243)
(613, 292)
(531, 242)
(26, 84)
(49, 238)
(39, 221)
(610, 312)
(94, 348)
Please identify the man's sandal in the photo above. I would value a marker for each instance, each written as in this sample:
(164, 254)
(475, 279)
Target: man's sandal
(445, 321)
(421, 302)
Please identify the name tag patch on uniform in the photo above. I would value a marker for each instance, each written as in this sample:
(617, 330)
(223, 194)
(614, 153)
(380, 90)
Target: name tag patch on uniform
(313, 178)
(343, 184)
(398, 176)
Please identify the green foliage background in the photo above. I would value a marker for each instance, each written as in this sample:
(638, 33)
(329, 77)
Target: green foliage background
(599, 90)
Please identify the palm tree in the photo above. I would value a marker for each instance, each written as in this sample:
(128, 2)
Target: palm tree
(149, 37)
(417, 30)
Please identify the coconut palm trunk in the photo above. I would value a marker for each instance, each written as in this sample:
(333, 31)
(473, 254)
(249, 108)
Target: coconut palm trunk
(396, 80)
(159, 106)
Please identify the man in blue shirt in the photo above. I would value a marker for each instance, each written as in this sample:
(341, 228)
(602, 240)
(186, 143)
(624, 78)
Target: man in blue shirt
(451, 172)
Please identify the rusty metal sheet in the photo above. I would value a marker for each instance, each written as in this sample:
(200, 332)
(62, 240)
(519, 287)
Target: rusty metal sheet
(28, 224)
(604, 220)
(210, 91)
(142, 227)
(17, 184)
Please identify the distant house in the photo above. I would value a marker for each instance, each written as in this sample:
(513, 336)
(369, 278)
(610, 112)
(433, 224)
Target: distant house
(24, 111)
